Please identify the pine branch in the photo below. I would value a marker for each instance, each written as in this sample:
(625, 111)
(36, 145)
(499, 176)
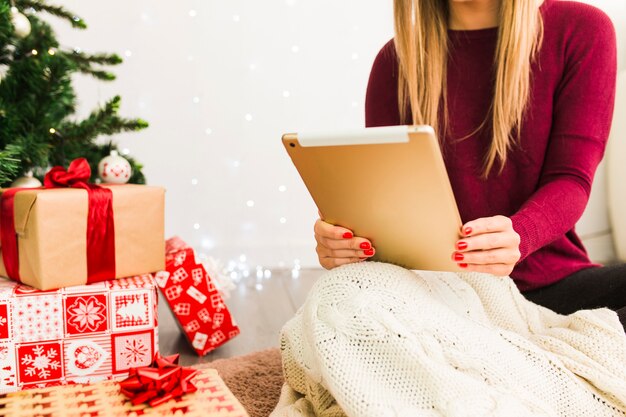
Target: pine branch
(84, 63)
(103, 121)
(100, 58)
(58, 11)
(9, 164)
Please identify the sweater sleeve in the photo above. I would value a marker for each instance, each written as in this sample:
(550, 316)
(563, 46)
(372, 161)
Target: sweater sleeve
(583, 109)
(381, 101)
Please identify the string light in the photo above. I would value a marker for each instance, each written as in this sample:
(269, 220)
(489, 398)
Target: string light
(52, 131)
(282, 188)
(34, 52)
(355, 56)
(208, 130)
(236, 18)
(128, 53)
(196, 100)
(51, 52)
(193, 13)
(194, 181)
(196, 226)
(283, 220)
(248, 117)
(286, 94)
(250, 203)
(295, 49)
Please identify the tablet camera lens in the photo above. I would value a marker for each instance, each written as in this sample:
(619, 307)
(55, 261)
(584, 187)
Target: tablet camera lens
(293, 145)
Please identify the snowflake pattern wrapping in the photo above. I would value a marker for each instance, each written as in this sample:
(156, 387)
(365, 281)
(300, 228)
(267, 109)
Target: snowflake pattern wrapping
(77, 334)
(196, 303)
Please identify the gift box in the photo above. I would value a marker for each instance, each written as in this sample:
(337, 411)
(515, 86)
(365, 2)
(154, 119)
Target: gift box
(59, 237)
(77, 334)
(212, 399)
(193, 298)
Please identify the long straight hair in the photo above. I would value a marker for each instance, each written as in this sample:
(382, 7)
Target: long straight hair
(421, 42)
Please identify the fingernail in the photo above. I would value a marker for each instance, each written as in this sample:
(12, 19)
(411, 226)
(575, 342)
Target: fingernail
(463, 265)
(461, 245)
(467, 231)
(458, 256)
(365, 245)
(347, 235)
(369, 252)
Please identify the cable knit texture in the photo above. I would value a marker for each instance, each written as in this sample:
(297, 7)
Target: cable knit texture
(546, 182)
(378, 340)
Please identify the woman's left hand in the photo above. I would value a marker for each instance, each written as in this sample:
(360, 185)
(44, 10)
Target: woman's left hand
(488, 245)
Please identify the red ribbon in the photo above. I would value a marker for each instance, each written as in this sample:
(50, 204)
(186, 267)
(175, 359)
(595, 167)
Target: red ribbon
(100, 225)
(158, 383)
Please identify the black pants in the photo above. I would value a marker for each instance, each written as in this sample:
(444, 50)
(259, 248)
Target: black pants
(586, 289)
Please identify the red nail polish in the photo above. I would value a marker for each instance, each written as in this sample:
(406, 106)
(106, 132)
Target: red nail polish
(347, 235)
(467, 231)
(369, 252)
(458, 256)
(365, 245)
(461, 245)
(463, 265)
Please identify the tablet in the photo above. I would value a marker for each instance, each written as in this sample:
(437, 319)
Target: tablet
(386, 184)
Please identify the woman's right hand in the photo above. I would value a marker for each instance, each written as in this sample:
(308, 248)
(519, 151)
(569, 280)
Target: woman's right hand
(337, 245)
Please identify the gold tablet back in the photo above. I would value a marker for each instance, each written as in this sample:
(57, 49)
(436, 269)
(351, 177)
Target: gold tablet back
(396, 194)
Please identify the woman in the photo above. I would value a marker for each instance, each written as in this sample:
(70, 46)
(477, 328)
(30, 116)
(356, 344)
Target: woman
(523, 98)
(521, 94)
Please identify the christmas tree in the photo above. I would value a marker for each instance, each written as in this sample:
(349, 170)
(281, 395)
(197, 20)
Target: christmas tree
(37, 100)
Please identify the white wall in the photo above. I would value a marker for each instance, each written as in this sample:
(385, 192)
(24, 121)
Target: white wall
(220, 81)
(595, 227)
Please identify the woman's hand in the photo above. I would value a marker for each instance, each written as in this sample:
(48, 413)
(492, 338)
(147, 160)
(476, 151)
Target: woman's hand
(488, 245)
(337, 245)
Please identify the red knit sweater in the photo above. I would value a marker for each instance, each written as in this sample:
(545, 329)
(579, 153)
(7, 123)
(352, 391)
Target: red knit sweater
(546, 181)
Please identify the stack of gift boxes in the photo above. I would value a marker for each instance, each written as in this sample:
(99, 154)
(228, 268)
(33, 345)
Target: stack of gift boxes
(81, 302)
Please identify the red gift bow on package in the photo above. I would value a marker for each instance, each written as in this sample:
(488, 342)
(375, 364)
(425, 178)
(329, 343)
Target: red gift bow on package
(160, 382)
(100, 226)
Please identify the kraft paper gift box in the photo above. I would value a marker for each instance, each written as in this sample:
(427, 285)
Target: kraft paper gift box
(212, 399)
(51, 229)
(76, 335)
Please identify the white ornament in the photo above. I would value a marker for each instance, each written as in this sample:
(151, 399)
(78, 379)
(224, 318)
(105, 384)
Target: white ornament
(27, 181)
(3, 71)
(20, 23)
(114, 169)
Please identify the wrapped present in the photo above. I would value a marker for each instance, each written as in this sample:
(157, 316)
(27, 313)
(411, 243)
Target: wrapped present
(74, 233)
(77, 334)
(197, 304)
(211, 399)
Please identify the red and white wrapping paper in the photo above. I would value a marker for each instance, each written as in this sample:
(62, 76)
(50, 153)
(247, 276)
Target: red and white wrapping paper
(77, 334)
(194, 300)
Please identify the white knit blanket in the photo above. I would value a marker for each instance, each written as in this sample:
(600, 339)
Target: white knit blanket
(377, 340)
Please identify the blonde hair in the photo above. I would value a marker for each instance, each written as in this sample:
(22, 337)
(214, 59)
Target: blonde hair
(421, 42)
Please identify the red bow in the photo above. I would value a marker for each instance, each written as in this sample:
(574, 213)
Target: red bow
(158, 383)
(77, 173)
(100, 226)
